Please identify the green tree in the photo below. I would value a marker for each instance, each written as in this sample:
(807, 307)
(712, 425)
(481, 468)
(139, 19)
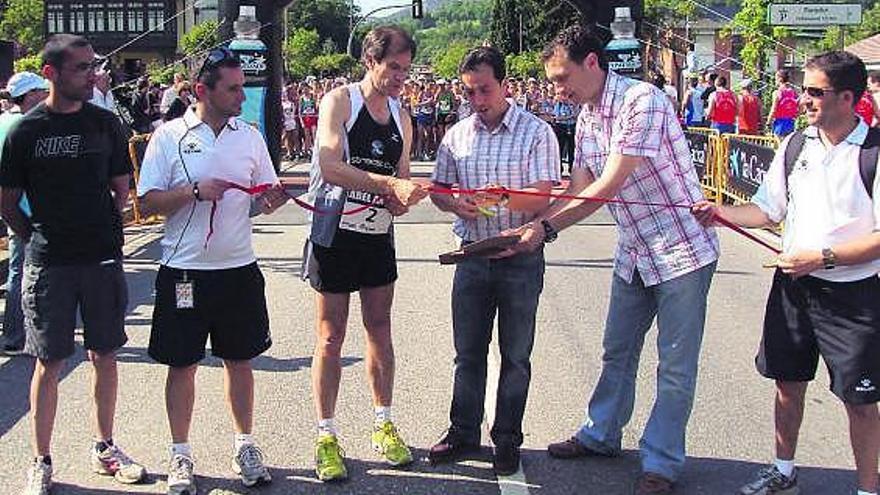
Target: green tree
(302, 47)
(200, 38)
(446, 64)
(163, 74)
(758, 36)
(505, 26)
(31, 63)
(23, 22)
(869, 27)
(525, 64)
(336, 64)
(330, 18)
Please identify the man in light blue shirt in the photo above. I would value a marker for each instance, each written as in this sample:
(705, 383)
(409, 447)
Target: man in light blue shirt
(26, 90)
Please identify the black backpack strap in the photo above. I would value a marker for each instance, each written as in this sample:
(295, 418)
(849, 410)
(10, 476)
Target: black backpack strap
(868, 156)
(792, 152)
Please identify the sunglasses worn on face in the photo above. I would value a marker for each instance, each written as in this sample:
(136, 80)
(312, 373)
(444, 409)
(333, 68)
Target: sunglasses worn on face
(216, 57)
(814, 92)
(85, 66)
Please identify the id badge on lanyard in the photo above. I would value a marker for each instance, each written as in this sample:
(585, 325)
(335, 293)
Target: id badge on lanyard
(375, 219)
(184, 293)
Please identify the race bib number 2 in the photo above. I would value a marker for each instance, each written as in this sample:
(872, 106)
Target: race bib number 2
(375, 219)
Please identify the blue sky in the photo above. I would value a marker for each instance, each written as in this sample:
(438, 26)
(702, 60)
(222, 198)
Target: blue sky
(368, 5)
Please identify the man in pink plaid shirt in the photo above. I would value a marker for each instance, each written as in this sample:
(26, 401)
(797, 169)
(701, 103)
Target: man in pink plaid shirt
(630, 148)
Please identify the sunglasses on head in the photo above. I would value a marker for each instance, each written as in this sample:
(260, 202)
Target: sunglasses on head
(216, 57)
(814, 92)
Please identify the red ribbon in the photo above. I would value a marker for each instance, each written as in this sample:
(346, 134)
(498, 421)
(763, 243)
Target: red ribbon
(259, 189)
(503, 190)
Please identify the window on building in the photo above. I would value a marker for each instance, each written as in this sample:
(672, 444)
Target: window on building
(77, 18)
(96, 17)
(156, 16)
(206, 11)
(55, 18)
(115, 17)
(136, 17)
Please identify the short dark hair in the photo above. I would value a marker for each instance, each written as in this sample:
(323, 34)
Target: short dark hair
(659, 80)
(57, 47)
(845, 71)
(488, 55)
(578, 42)
(18, 100)
(784, 75)
(721, 81)
(209, 74)
(694, 81)
(383, 41)
(874, 75)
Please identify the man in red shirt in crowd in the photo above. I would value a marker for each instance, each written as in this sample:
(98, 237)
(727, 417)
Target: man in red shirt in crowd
(722, 107)
(748, 109)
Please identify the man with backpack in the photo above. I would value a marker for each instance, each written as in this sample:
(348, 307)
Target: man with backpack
(823, 301)
(784, 109)
(722, 107)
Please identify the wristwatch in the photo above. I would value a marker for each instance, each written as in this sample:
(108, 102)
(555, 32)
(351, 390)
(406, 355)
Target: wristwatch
(550, 233)
(196, 191)
(829, 258)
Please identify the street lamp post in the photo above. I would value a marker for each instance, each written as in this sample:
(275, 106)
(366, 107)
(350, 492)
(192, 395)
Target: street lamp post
(348, 46)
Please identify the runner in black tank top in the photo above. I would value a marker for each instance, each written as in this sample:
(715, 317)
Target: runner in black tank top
(374, 148)
(354, 252)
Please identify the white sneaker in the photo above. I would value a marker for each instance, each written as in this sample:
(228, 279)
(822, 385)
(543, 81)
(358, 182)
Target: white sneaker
(181, 480)
(39, 480)
(248, 464)
(115, 462)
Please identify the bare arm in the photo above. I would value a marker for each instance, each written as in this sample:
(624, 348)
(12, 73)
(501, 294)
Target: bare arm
(12, 214)
(772, 111)
(157, 202)
(462, 207)
(748, 215)
(119, 186)
(333, 114)
(167, 202)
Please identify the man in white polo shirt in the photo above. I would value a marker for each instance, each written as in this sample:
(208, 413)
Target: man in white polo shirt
(208, 282)
(825, 298)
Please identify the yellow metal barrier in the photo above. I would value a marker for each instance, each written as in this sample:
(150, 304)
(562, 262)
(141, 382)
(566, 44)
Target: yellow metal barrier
(710, 181)
(727, 190)
(137, 146)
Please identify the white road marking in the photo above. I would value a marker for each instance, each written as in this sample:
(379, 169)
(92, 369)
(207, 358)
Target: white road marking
(515, 484)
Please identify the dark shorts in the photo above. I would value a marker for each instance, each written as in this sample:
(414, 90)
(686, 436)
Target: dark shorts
(51, 296)
(228, 305)
(347, 269)
(840, 321)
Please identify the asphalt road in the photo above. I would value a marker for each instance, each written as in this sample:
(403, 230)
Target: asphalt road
(730, 432)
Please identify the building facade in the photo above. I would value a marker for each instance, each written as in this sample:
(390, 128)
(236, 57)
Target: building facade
(147, 31)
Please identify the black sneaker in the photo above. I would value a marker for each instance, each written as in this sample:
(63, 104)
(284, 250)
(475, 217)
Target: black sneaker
(769, 481)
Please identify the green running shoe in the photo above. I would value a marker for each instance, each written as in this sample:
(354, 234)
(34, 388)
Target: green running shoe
(387, 442)
(329, 459)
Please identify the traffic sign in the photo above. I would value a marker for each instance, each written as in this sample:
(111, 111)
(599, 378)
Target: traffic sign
(818, 14)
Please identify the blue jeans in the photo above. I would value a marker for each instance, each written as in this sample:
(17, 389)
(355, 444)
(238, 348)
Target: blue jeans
(509, 287)
(680, 307)
(13, 318)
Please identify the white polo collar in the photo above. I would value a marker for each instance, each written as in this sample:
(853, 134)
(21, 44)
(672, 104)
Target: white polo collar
(192, 120)
(856, 137)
